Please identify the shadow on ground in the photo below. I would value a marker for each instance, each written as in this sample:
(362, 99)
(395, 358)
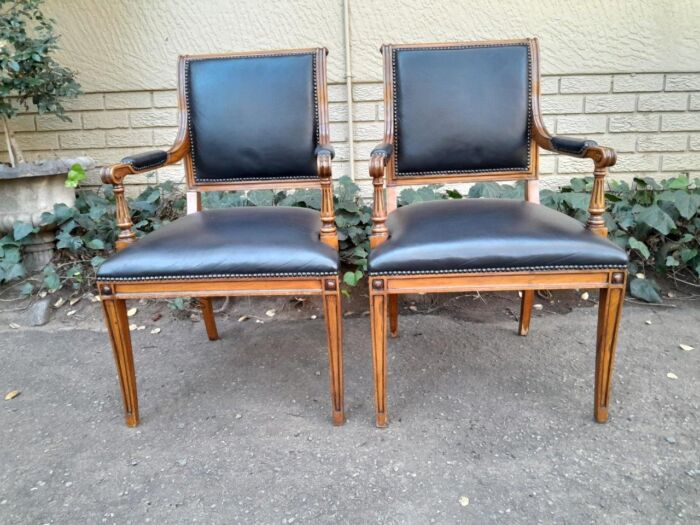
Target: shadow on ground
(238, 430)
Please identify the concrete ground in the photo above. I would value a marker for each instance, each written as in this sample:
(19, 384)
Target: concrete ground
(485, 426)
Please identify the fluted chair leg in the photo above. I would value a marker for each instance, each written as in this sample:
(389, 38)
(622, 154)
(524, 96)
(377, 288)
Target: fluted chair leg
(118, 327)
(609, 314)
(334, 327)
(394, 315)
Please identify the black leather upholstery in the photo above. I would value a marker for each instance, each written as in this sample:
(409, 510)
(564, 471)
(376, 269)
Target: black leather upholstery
(488, 234)
(462, 109)
(149, 160)
(325, 149)
(571, 145)
(228, 243)
(384, 150)
(252, 118)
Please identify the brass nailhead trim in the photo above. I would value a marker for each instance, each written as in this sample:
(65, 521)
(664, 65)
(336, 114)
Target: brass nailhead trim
(525, 169)
(243, 57)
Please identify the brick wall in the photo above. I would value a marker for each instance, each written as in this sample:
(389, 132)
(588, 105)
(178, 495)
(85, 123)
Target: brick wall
(652, 120)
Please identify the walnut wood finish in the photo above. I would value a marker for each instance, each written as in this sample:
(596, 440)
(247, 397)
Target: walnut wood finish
(526, 311)
(118, 328)
(394, 315)
(334, 327)
(114, 294)
(609, 314)
(384, 289)
(208, 317)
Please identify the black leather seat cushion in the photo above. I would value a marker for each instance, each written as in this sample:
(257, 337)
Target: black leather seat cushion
(491, 235)
(462, 109)
(252, 118)
(275, 241)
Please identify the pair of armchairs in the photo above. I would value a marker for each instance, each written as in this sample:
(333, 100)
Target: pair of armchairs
(462, 112)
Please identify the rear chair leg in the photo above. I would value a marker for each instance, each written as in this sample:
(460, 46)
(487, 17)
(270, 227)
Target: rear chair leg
(208, 316)
(378, 321)
(394, 315)
(118, 327)
(609, 314)
(334, 327)
(526, 311)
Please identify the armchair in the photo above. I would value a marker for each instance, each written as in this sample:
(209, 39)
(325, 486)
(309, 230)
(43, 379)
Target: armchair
(469, 112)
(247, 121)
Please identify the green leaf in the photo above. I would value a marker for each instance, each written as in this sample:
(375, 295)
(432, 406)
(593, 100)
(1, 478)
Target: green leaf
(63, 212)
(75, 176)
(15, 271)
(686, 203)
(51, 279)
(96, 261)
(21, 229)
(671, 261)
(645, 289)
(352, 278)
(96, 244)
(654, 217)
(639, 246)
(26, 289)
(688, 254)
(678, 183)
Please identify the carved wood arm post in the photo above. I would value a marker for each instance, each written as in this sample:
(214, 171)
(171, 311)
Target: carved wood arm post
(603, 158)
(114, 175)
(329, 234)
(377, 163)
(134, 164)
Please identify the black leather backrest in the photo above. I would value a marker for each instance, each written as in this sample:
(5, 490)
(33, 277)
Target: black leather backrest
(462, 109)
(252, 117)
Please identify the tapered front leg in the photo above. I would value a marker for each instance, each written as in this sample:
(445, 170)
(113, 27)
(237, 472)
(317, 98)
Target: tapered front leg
(378, 321)
(118, 327)
(609, 314)
(332, 312)
(394, 315)
(208, 317)
(526, 311)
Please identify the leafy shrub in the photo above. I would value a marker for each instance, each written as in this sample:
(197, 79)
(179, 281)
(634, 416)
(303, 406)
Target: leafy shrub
(84, 234)
(658, 223)
(28, 70)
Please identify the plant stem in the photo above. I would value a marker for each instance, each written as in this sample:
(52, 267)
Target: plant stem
(11, 153)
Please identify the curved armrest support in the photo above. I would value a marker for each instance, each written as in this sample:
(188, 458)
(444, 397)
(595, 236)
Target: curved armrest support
(134, 164)
(602, 158)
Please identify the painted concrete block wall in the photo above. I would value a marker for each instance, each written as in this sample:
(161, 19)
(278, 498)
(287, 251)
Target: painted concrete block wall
(625, 73)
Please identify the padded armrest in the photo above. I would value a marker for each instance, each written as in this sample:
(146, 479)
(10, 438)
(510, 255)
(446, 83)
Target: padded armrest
(324, 149)
(148, 160)
(383, 150)
(571, 146)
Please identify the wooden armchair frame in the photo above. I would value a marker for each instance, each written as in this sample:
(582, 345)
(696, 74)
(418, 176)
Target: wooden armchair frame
(114, 294)
(385, 289)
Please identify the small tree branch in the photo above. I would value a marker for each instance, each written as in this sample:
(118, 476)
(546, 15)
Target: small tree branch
(8, 141)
